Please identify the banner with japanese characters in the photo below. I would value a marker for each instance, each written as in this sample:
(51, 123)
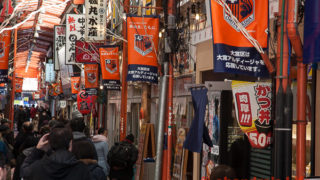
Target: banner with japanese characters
(96, 20)
(109, 62)
(50, 73)
(143, 35)
(91, 77)
(87, 52)
(232, 51)
(75, 30)
(253, 111)
(5, 39)
(75, 85)
(55, 89)
(18, 84)
(59, 42)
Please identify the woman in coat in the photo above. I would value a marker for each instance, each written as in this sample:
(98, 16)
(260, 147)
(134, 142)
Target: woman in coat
(100, 142)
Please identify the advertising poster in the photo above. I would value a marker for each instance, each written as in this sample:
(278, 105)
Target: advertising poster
(96, 20)
(109, 62)
(87, 52)
(75, 85)
(253, 111)
(75, 30)
(5, 39)
(143, 35)
(233, 52)
(18, 84)
(59, 43)
(91, 78)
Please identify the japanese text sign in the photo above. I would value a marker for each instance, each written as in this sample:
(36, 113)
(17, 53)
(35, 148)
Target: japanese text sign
(233, 53)
(5, 39)
(50, 73)
(253, 109)
(75, 30)
(143, 35)
(109, 61)
(59, 42)
(87, 52)
(96, 20)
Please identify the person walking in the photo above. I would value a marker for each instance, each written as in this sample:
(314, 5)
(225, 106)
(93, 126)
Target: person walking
(102, 147)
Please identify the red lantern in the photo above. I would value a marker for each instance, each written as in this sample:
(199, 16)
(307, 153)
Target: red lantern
(85, 102)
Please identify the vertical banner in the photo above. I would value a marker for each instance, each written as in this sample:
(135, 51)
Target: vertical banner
(143, 35)
(96, 20)
(5, 39)
(91, 78)
(233, 53)
(87, 52)
(5, 10)
(50, 73)
(253, 110)
(19, 83)
(109, 62)
(59, 42)
(75, 30)
(75, 85)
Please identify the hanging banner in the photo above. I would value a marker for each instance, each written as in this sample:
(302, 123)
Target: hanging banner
(59, 43)
(5, 39)
(87, 52)
(18, 84)
(253, 110)
(143, 35)
(55, 89)
(75, 85)
(91, 78)
(233, 53)
(6, 9)
(85, 102)
(96, 20)
(50, 73)
(109, 62)
(75, 30)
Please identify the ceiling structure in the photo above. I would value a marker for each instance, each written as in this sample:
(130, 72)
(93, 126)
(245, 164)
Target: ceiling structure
(35, 36)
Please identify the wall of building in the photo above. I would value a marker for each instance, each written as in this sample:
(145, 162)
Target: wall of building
(204, 58)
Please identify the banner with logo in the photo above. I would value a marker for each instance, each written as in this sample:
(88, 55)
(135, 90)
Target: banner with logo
(5, 39)
(18, 84)
(233, 53)
(253, 110)
(87, 52)
(55, 89)
(96, 20)
(85, 102)
(75, 85)
(59, 43)
(91, 77)
(75, 30)
(109, 62)
(143, 35)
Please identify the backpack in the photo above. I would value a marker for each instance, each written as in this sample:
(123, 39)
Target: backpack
(122, 155)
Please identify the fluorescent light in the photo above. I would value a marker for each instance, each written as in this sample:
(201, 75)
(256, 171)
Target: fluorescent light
(36, 34)
(197, 16)
(101, 87)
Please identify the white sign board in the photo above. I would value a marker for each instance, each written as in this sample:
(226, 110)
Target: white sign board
(75, 30)
(50, 74)
(96, 20)
(59, 42)
(63, 104)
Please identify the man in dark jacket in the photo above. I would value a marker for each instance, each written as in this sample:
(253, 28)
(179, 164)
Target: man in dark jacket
(60, 164)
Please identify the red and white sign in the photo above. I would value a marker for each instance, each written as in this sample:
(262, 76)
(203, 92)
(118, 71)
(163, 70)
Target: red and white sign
(96, 20)
(59, 42)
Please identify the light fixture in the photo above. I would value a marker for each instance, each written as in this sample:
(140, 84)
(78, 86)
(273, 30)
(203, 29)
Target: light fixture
(36, 34)
(38, 28)
(197, 16)
(124, 16)
(101, 87)
(160, 34)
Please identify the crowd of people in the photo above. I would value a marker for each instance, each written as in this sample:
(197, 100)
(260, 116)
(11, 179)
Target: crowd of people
(48, 148)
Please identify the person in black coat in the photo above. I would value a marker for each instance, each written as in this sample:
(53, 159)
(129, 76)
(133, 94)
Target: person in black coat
(60, 164)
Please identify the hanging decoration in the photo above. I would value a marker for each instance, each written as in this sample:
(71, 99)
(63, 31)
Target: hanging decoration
(96, 20)
(75, 85)
(18, 85)
(5, 39)
(233, 52)
(5, 10)
(91, 78)
(59, 43)
(143, 35)
(87, 52)
(109, 62)
(253, 110)
(85, 102)
(75, 30)
(50, 73)
(55, 89)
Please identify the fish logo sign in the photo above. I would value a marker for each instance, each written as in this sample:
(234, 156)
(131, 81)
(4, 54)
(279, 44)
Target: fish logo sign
(143, 44)
(243, 10)
(111, 65)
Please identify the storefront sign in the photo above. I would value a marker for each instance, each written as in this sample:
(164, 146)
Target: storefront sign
(253, 109)
(87, 52)
(18, 84)
(5, 39)
(75, 30)
(109, 62)
(96, 20)
(63, 104)
(143, 35)
(59, 42)
(91, 76)
(50, 73)
(233, 53)
(75, 85)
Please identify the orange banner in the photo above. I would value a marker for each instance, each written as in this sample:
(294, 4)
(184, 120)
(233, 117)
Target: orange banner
(18, 83)
(55, 89)
(143, 36)
(109, 61)
(75, 85)
(91, 76)
(5, 39)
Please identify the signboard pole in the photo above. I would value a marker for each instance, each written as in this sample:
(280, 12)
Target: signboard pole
(13, 89)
